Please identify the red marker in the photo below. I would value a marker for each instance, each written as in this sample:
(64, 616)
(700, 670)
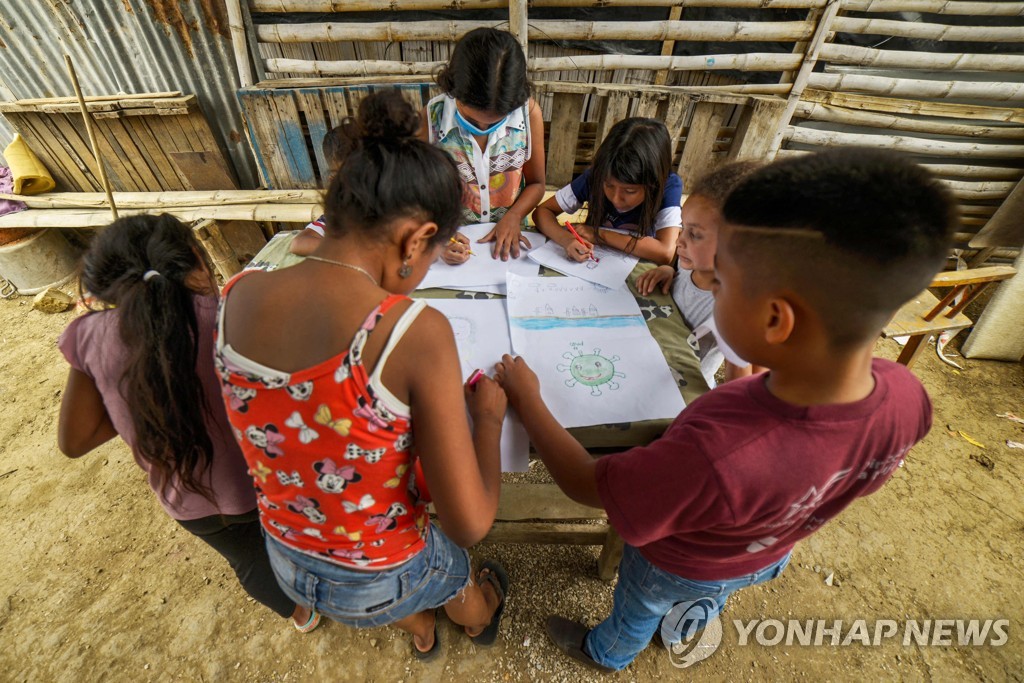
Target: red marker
(474, 378)
(580, 240)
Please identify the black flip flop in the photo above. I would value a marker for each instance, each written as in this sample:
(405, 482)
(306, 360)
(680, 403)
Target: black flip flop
(435, 650)
(497, 577)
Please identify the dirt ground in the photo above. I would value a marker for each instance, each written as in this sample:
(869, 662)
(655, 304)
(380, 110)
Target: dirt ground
(98, 584)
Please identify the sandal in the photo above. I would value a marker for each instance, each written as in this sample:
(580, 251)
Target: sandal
(314, 621)
(435, 650)
(498, 578)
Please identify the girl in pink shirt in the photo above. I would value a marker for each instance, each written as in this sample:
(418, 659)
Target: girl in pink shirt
(142, 368)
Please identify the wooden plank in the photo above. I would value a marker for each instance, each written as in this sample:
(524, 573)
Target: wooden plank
(697, 157)
(565, 127)
(973, 276)
(80, 145)
(547, 533)
(163, 168)
(309, 101)
(355, 96)
(116, 159)
(616, 106)
(168, 141)
(336, 103)
(292, 142)
(263, 136)
(755, 131)
(894, 105)
(647, 105)
(204, 170)
(541, 501)
(909, 319)
(134, 160)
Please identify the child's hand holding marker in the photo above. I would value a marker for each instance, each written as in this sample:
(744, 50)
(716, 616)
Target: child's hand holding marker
(457, 251)
(486, 400)
(579, 249)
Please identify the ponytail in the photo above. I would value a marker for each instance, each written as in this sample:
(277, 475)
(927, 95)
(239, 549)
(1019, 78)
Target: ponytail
(139, 265)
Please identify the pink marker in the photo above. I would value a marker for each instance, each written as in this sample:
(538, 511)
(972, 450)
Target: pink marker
(474, 378)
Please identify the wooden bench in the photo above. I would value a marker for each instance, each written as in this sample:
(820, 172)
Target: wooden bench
(926, 314)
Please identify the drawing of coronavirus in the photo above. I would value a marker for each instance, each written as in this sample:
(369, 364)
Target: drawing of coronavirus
(592, 370)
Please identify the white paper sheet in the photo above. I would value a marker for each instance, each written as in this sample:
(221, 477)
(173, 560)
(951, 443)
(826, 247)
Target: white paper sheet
(481, 335)
(590, 347)
(611, 268)
(481, 270)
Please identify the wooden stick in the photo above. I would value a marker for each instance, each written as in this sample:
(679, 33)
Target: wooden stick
(410, 5)
(916, 29)
(89, 218)
(909, 87)
(239, 44)
(988, 9)
(909, 59)
(517, 26)
(87, 118)
(540, 30)
(802, 78)
(914, 107)
(168, 200)
(854, 117)
(902, 143)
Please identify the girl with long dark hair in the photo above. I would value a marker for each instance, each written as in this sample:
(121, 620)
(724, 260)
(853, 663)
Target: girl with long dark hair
(142, 368)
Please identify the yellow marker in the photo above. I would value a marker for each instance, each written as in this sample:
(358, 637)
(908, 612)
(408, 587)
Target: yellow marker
(970, 440)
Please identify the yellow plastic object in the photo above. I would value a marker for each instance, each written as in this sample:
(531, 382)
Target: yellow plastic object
(30, 176)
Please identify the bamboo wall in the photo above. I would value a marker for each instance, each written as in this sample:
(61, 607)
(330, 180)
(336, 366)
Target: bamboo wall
(731, 78)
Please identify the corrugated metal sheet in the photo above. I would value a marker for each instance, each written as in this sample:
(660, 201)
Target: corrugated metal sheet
(125, 46)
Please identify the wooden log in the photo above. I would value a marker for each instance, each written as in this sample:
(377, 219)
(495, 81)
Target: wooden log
(756, 61)
(547, 533)
(909, 87)
(914, 107)
(902, 143)
(239, 43)
(168, 200)
(367, 68)
(802, 77)
(565, 126)
(925, 31)
(853, 117)
(668, 46)
(908, 59)
(91, 218)
(733, 31)
(986, 172)
(517, 26)
(420, 5)
(970, 8)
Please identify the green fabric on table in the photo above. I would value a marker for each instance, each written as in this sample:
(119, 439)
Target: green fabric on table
(663, 320)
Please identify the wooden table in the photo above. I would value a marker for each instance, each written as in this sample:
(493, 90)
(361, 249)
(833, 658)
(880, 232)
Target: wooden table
(540, 512)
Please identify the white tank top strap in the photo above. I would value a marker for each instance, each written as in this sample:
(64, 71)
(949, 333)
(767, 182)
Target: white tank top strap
(397, 332)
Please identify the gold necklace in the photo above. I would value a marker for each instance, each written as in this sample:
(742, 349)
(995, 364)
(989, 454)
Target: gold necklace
(345, 265)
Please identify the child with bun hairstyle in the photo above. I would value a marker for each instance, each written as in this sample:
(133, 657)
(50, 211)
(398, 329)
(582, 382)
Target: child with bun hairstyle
(337, 405)
(142, 368)
(691, 283)
(487, 121)
(631, 193)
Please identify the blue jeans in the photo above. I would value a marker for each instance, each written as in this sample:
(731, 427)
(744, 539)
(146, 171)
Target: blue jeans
(643, 597)
(366, 599)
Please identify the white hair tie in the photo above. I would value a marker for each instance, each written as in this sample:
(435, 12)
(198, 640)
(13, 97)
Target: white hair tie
(149, 275)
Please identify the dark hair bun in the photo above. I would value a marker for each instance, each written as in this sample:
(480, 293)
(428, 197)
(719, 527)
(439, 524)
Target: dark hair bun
(388, 116)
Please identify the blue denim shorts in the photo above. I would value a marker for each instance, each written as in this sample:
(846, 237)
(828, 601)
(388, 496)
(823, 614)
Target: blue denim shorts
(369, 599)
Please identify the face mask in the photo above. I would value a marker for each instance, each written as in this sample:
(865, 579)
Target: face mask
(473, 130)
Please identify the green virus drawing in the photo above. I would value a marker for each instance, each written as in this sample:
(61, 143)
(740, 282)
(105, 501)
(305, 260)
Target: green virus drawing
(592, 370)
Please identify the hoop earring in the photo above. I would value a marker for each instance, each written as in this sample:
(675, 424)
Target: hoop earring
(406, 270)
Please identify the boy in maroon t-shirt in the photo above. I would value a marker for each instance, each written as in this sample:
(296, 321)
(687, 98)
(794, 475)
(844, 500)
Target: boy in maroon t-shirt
(816, 255)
